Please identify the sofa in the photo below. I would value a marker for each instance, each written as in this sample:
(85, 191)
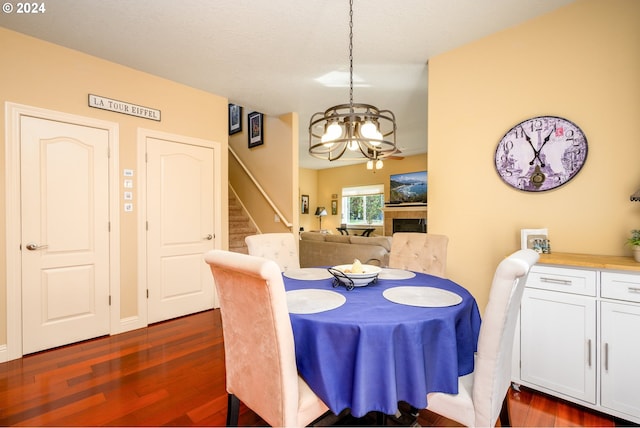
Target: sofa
(320, 249)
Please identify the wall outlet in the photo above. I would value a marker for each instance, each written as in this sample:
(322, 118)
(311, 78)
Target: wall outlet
(276, 218)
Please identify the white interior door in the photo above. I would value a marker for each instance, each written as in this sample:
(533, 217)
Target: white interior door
(65, 232)
(180, 228)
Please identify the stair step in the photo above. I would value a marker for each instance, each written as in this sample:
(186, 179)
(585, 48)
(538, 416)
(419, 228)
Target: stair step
(240, 226)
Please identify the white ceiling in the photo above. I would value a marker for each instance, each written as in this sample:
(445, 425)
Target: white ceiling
(267, 54)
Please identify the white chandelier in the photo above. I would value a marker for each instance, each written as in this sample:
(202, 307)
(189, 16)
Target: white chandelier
(353, 131)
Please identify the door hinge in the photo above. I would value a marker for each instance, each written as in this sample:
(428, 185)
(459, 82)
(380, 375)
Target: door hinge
(109, 299)
(147, 293)
(108, 226)
(147, 225)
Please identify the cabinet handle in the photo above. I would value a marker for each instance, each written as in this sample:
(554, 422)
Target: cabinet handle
(606, 356)
(633, 289)
(589, 352)
(556, 281)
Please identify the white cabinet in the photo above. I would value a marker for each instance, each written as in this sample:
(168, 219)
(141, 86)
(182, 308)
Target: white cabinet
(620, 347)
(578, 334)
(560, 345)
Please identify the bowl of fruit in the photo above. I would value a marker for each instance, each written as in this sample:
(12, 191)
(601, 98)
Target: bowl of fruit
(354, 275)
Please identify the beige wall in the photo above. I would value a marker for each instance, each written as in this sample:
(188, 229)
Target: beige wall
(321, 184)
(44, 75)
(273, 166)
(581, 62)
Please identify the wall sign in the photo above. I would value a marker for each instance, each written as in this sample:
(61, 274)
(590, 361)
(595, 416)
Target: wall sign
(104, 103)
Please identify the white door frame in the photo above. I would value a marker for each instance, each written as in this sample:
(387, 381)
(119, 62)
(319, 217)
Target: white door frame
(143, 134)
(13, 114)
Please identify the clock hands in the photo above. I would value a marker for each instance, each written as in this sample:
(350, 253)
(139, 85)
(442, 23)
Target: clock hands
(536, 153)
(545, 141)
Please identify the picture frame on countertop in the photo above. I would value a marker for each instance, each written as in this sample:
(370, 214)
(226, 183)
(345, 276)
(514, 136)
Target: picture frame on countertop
(528, 237)
(235, 119)
(254, 136)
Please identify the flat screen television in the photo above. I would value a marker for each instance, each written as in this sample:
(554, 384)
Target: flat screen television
(408, 188)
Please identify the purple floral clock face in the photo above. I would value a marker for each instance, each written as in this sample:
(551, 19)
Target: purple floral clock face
(541, 153)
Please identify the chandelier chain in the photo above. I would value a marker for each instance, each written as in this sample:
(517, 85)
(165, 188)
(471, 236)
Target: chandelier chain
(351, 54)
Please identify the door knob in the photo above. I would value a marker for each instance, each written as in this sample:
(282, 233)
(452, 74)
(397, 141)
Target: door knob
(32, 246)
(209, 237)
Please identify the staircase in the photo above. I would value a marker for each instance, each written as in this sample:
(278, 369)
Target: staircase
(240, 226)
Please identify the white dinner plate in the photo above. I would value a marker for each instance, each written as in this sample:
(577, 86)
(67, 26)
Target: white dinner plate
(308, 274)
(427, 297)
(312, 300)
(388, 273)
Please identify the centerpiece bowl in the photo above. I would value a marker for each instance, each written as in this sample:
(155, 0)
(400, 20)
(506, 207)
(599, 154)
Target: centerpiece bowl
(342, 275)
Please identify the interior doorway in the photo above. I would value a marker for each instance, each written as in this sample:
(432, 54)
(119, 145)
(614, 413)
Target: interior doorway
(180, 221)
(61, 256)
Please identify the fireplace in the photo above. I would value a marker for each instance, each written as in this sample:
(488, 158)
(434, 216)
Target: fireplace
(411, 213)
(410, 225)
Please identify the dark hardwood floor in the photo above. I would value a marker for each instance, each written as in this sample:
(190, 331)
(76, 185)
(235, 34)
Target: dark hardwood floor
(172, 374)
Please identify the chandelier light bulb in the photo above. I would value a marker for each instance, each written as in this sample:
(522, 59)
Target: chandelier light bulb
(369, 164)
(379, 164)
(376, 140)
(369, 130)
(326, 140)
(334, 131)
(353, 145)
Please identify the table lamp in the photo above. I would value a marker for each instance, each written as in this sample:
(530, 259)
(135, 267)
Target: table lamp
(320, 212)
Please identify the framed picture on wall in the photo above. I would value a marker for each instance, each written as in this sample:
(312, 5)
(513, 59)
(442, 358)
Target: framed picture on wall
(528, 237)
(304, 204)
(255, 129)
(235, 118)
(334, 207)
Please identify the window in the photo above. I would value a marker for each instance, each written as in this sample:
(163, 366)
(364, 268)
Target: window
(363, 205)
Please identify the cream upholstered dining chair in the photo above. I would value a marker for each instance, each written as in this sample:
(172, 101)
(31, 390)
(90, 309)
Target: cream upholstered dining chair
(482, 394)
(279, 247)
(420, 252)
(260, 361)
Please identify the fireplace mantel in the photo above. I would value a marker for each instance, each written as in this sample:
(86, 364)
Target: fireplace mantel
(391, 212)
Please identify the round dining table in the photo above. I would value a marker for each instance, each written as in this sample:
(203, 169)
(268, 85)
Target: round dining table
(396, 339)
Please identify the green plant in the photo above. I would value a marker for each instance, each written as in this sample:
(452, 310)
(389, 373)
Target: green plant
(634, 239)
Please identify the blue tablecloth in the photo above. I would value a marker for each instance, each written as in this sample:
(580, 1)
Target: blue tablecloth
(370, 353)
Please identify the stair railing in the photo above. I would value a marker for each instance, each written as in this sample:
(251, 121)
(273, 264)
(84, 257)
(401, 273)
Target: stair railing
(264, 194)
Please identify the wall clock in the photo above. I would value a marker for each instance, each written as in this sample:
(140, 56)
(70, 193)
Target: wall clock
(541, 153)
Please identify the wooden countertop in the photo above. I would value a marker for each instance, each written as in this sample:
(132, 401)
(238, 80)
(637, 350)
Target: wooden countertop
(590, 261)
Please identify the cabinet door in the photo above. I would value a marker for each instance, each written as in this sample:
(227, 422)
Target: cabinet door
(558, 333)
(620, 355)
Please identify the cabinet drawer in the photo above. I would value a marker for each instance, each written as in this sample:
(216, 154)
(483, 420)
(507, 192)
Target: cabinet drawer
(574, 281)
(620, 286)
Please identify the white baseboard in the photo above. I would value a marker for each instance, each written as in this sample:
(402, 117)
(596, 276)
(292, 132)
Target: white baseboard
(129, 324)
(4, 356)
